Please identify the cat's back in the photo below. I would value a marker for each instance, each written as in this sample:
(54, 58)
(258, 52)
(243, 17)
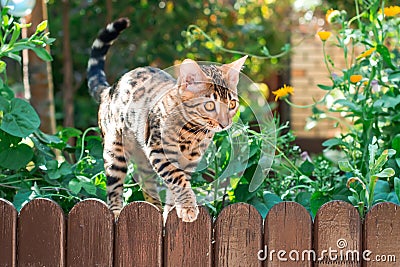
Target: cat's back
(129, 101)
(142, 85)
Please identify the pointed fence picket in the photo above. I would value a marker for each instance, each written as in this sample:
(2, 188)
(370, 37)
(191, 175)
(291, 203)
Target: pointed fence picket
(42, 235)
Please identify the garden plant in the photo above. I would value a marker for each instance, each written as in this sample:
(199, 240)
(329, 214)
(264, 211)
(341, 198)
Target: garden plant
(362, 98)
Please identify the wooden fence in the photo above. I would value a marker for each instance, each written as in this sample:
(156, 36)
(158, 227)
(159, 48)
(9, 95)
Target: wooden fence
(41, 235)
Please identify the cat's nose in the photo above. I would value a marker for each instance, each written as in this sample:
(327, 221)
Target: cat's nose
(223, 124)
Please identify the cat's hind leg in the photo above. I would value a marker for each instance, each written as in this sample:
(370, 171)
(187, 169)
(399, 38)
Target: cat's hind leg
(115, 165)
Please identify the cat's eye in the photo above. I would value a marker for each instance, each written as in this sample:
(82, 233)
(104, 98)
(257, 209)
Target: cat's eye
(209, 106)
(232, 104)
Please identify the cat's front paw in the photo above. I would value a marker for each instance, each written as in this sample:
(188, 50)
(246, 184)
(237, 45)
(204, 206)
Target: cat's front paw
(116, 213)
(187, 213)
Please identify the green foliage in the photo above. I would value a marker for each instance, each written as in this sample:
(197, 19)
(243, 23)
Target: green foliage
(30, 161)
(367, 92)
(39, 172)
(371, 190)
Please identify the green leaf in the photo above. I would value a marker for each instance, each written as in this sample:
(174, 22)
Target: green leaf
(16, 33)
(386, 173)
(398, 162)
(271, 199)
(307, 168)
(56, 171)
(75, 186)
(397, 187)
(385, 53)
(16, 57)
(345, 166)
(242, 193)
(21, 120)
(22, 197)
(47, 138)
(16, 157)
(382, 159)
(382, 189)
(387, 102)
(90, 188)
(6, 20)
(42, 53)
(317, 200)
(260, 206)
(6, 92)
(325, 87)
(303, 198)
(394, 76)
(265, 51)
(396, 143)
(68, 133)
(7, 140)
(3, 66)
(332, 142)
(392, 197)
(52, 169)
(4, 104)
(346, 103)
(65, 169)
(353, 200)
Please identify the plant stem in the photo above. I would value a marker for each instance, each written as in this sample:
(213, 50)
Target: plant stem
(358, 14)
(192, 27)
(298, 106)
(325, 61)
(83, 141)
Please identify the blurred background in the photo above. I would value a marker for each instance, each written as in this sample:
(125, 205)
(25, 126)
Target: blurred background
(158, 37)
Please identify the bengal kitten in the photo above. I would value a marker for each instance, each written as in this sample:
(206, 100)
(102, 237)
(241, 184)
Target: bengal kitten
(162, 124)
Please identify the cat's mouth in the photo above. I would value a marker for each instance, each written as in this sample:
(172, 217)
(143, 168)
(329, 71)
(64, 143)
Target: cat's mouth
(216, 126)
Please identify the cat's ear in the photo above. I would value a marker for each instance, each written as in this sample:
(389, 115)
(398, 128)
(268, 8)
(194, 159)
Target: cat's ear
(191, 77)
(232, 71)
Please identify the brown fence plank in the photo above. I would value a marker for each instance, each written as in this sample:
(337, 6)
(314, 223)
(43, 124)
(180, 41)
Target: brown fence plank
(337, 227)
(288, 228)
(238, 236)
(8, 233)
(382, 235)
(138, 236)
(188, 244)
(41, 234)
(90, 234)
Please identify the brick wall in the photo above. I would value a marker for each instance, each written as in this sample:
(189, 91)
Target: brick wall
(307, 70)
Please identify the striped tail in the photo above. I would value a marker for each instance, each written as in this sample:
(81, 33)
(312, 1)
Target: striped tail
(96, 76)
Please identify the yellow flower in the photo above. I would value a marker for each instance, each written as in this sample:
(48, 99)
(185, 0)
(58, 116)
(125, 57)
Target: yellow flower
(355, 78)
(391, 11)
(324, 35)
(366, 53)
(328, 13)
(283, 92)
(331, 15)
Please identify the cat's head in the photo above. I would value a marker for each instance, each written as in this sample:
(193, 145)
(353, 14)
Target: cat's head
(209, 92)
